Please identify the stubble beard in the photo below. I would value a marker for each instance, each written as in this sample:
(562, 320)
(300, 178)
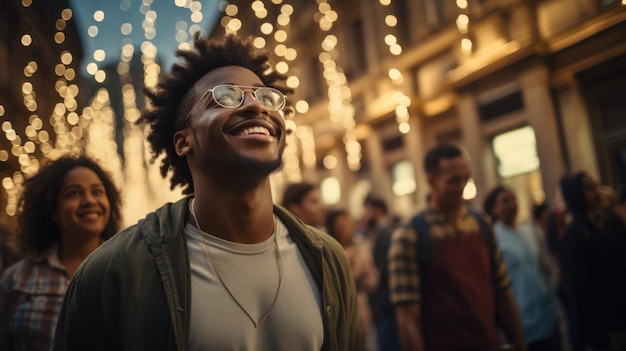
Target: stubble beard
(252, 167)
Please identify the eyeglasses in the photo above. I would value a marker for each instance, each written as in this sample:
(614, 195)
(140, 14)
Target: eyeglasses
(232, 96)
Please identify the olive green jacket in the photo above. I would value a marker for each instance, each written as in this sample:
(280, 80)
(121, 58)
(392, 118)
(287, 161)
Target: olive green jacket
(133, 293)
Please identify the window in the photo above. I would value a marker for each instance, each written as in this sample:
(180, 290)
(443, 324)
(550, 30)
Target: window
(330, 190)
(500, 107)
(358, 60)
(403, 178)
(516, 152)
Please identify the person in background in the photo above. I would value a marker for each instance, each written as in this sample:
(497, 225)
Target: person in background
(540, 217)
(304, 200)
(557, 220)
(380, 227)
(538, 226)
(614, 233)
(612, 209)
(224, 268)
(550, 268)
(341, 226)
(447, 279)
(67, 210)
(520, 249)
(608, 201)
(591, 273)
(7, 246)
(620, 207)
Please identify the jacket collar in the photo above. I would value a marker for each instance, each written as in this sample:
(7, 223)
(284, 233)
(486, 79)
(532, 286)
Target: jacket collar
(171, 218)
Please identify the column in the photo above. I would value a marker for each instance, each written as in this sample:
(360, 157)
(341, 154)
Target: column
(379, 175)
(415, 151)
(542, 117)
(577, 132)
(482, 159)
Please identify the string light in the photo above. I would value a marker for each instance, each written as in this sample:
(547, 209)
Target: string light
(395, 75)
(274, 33)
(34, 141)
(462, 24)
(341, 111)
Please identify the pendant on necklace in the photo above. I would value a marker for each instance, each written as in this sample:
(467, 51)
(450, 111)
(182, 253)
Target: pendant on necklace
(279, 262)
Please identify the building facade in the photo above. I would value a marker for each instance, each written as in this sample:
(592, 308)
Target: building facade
(533, 90)
(40, 98)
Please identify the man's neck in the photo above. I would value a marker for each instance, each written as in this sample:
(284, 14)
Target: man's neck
(244, 217)
(447, 212)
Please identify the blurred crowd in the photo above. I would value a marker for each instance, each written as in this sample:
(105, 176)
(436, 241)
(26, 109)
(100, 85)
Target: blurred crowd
(565, 266)
(450, 274)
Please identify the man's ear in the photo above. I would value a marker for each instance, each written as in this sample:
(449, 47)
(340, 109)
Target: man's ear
(181, 143)
(430, 178)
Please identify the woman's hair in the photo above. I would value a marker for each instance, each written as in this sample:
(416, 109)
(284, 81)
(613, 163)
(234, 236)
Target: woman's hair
(539, 210)
(331, 217)
(492, 198)
(170, 101)
(295, 193)
(38, 202)
(573, 190)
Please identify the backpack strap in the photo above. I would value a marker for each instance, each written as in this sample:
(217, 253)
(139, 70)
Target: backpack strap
(486, 229)
(424, 247)
(424, 250)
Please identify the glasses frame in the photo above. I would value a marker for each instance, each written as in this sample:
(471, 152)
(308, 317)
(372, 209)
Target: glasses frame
(243, 89)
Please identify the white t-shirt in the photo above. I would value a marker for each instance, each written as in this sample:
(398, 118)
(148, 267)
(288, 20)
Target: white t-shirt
(251, 272)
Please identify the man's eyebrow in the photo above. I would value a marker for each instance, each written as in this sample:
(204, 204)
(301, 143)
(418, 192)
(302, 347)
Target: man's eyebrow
(256, 85)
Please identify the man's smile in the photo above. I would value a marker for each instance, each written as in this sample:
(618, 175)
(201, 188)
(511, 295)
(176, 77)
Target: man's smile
(251, 127)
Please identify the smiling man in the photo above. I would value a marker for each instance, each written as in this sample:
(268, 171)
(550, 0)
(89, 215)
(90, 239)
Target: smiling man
(224, 268)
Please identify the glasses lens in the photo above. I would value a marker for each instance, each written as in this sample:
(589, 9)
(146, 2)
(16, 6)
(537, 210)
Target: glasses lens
(228, 95)
(270, 98)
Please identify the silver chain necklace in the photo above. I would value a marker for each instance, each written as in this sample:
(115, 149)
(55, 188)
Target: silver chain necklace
(279, 260)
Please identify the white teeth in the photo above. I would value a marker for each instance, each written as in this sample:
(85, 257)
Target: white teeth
(254, 130)
(91, 215)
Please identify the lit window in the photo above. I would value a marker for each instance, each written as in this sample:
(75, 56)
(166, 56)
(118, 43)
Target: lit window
(330, 190)
(403, 178)
(516, 152)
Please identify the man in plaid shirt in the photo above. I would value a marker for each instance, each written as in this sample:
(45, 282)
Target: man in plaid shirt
(466, 288)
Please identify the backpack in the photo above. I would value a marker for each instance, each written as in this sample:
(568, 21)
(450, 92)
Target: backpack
(424, 245)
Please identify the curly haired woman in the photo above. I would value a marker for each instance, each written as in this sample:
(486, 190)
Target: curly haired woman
(67, 210)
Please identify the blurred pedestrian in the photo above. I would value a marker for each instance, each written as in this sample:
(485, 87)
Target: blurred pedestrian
(620, 207)
(447, 279)
(620, 215)
(530, 281)
(380, 227)
(608, 200)
(342, 227)
(66, 211)
(589, 270)
(538, 226)
(304, 201)
(8, 246)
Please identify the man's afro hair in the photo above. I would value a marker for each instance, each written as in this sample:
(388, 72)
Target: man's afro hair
(170, 100)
